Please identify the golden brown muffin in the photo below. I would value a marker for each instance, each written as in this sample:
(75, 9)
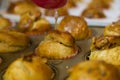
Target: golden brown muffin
(100, 4)
(75, 25)
(95, 9)
(5, 23)
(29, 68)
(57, 45)
(20, 7)
(93, 13)
(30, 23)
(12, 41)
(106, 48)
(93, 70)
(105, 42)
(113, 29)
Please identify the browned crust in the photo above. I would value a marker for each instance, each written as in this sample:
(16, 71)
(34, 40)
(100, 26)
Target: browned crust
(105, 42)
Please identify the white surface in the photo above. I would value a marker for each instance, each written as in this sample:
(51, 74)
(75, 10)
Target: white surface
(112, 14)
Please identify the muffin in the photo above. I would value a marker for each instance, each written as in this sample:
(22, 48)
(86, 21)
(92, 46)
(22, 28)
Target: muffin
(31, 23)
(28, 68)
(20, 7)
(106, 48)
(93, 70)
(93, 13)
(113, 29)
(100, 4)
(57, 45)
(76, 26)
(5, 24)
(95, 9)
(12, 41)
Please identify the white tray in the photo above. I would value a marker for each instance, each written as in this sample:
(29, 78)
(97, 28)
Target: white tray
(112, 14)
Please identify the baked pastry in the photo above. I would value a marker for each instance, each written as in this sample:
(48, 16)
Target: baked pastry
(113, 29)
(75, 25)
(106, 48)
(93, 13)
(30, 23)
(93, 70)
(5, 23)
(57, 45)
(95, 8)
(12, 41)
(29, 68)
(100, 4)
(20, 7)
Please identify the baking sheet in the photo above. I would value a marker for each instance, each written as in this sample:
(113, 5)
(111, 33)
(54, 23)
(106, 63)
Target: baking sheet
(60, 66)
(112, 14)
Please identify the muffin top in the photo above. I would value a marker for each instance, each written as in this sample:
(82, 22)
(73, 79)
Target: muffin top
(93, 13)
(75, 25)
(57, 45)
(62, 37)
(20, 7)
(97, 70)
(104, 42)
(113, 29)
(29, 67)
(12, 41)
(100, 4)
(31, 23)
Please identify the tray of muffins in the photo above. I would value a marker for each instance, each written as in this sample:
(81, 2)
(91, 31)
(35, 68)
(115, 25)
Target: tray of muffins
(35, 49)
(96, 12)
